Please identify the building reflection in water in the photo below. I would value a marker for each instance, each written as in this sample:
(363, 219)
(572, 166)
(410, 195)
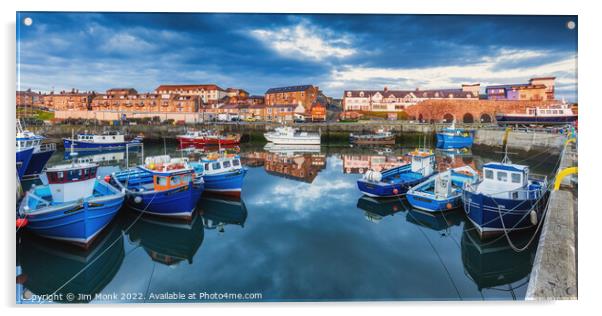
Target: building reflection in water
(48, 266)
(167, 241)
(297, 162)
(218, 212)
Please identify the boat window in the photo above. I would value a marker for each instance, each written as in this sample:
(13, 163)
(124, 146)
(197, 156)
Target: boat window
(206, 166)
(502, 176)
(186, 179)
(226, 164)
(515, 177)
(488, 174)
(175, 180)
(216, 166)
(514, 195)
(60, 175)
(236, 162)
(161, 181)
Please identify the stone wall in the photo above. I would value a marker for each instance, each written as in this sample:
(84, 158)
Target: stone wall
(463, 110)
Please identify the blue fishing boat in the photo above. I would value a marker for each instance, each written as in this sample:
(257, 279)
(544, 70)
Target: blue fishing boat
(163, 186)
(506, 199)
(74, 206)
(223, 173)
(103, 142)
(41, 151)
(398, 180)
(23, 157)
(443, 191)
(452, 137)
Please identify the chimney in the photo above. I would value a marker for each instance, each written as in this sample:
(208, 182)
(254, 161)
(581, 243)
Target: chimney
(386, 89)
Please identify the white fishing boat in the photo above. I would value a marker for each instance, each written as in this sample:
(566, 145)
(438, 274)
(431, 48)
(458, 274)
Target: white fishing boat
(289, 135)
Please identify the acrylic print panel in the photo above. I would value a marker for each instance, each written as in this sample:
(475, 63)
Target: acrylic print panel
(200, 157)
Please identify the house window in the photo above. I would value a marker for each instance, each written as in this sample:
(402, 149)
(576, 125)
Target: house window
(502, 176)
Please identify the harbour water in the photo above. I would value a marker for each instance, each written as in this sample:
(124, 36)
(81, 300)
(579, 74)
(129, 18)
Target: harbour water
(301, 232)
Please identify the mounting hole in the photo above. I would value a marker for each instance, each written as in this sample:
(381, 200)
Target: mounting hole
(571, 25)
(27, 21)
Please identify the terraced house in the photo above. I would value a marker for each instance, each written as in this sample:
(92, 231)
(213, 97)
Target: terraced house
(69, 101)
(129, 100)
(538, 89)
(398, 100)
(208, 93)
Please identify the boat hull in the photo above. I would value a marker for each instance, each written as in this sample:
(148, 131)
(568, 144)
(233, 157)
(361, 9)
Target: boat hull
(301, 140)
(23, 158)
(37, 163)
(524, 119)
(89, 146)
(383, 189)
(428, 204)
(453, 141)
(486, 214)
(178, 203)
(77, 223)
(228, 184)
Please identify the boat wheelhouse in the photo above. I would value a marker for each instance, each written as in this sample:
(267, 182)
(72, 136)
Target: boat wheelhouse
(100, 142)
(163, 186)
(559, 114)
(41, 151)
(452, 137)
(443, 191)
(506, 199)
(222, 173)
(288, 135)
(74, 206)
(397, 181)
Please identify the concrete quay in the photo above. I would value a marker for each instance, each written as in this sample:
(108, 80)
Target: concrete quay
(554, 273)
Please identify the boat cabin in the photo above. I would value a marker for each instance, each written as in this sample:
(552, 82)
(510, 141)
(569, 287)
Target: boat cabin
(104, 138)
(163, 182)
(221, 165)
(559, 111)
(504, 180)
(423, 162)
(71, 182)
(168, 173)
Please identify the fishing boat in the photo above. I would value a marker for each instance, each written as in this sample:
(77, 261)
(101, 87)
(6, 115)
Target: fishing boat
(23, 156)
(559, 114)
(443, 191)
(506, 199)
(380, 137)
(163, 186)
(41, 151)
(74, 206)
(102, 142)
(222, 173)
(452, 137)
(397, 181)
(288, 135)
(204, 138)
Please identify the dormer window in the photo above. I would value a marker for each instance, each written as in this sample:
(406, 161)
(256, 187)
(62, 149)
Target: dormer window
(361, 93)
(349, 93)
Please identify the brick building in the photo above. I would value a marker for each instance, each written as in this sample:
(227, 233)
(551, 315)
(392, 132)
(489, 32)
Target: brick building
(208, 93)
(305, 95)
(73, 100)
(28, 98)
(129, 100)
(398, 100)
(537, 89)
(256, 99)
(300, 167)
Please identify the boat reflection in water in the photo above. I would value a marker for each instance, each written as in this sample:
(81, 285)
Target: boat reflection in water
(439, 221)
(376, 209)
(167, 241)
(48, 266)
(494, 264)
(219, 212)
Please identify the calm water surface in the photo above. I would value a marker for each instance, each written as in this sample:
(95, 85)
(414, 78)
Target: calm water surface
(302, 231)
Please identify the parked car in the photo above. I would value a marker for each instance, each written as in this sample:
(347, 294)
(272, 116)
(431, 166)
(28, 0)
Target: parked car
(251, 119)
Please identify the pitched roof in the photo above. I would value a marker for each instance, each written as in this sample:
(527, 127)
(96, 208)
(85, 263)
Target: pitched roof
(288, 89)
(437, 93)
(170, 87)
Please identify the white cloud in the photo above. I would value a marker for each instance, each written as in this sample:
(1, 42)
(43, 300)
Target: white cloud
(304, 40)
(126, 43)
(488, 70)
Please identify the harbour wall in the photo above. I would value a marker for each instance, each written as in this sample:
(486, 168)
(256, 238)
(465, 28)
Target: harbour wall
(488, 135)
(554, 273)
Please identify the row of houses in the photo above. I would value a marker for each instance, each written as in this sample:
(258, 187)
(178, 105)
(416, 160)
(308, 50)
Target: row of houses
(386, 100)
(278, 104)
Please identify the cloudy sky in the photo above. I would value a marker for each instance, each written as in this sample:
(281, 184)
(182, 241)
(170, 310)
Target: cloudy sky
(94, 51)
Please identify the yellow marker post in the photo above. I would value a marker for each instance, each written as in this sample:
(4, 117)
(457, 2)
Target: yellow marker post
(563, 173)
